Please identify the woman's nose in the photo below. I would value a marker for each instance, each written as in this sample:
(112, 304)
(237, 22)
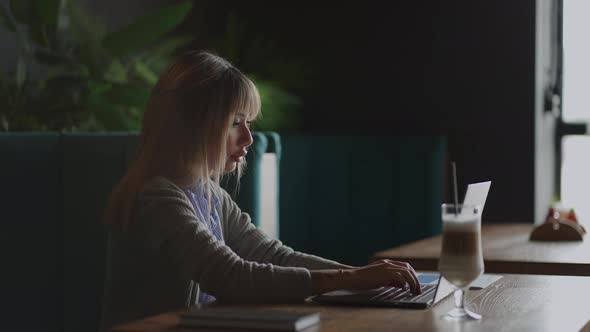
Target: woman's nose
(246, 137)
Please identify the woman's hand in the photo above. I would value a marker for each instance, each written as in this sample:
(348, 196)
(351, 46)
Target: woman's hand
(386, 272)
(376, 274)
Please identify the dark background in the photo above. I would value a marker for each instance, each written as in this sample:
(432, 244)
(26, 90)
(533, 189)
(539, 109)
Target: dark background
(460, 68)
(465, 69)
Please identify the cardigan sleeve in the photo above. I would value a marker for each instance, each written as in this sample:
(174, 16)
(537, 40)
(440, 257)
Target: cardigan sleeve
(245, 239)
(166, 224)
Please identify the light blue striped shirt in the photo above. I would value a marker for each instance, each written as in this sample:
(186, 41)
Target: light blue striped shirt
(197, 196)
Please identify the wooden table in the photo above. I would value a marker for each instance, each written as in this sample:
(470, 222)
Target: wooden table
(506, 249)
(513, 303)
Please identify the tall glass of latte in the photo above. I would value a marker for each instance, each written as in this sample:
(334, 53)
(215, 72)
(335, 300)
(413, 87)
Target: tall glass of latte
(461, 259)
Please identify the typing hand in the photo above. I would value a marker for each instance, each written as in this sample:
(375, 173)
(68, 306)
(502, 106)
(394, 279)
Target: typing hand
(386, 272)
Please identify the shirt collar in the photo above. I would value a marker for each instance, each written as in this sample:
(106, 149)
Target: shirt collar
(199, 191)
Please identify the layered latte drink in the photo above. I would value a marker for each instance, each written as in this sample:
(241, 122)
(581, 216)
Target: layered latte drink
(461, 260)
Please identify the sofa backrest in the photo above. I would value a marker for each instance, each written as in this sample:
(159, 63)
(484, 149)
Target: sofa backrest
(31, 232)
(55, 190)
(346, 197)
(91, 166)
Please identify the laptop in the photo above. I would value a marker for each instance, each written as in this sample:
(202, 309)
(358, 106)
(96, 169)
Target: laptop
(434, 287)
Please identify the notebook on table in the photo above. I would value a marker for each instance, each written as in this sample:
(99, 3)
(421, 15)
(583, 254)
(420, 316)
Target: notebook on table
(252, 319)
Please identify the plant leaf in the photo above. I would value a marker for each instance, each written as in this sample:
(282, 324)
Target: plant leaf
(6, 20)
(64, 82)
(128, 95)
(21, 73)
(29, 12)
(98, 87)
(51, 58)
(279, 107)
(39, 15)
(168, 46)
(116, 72)
(133, 117)
(159, 55)
(153, 62)
(145, 73)
(23, 10)
(87, 33)
(106, 113)
(146, 29)
(4, 123)
(48, 11)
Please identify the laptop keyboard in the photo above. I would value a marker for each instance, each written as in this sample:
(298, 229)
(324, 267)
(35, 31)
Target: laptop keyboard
(393, 294)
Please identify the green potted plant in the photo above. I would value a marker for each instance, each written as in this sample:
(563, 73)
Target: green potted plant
(69, 114)
(74, 75)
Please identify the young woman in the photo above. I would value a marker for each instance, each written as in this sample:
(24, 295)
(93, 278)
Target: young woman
(177, 238)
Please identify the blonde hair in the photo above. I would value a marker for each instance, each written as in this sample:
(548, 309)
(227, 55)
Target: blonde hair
(185, 127)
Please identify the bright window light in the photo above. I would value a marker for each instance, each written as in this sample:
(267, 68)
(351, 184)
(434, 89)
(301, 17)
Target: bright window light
(575, 171)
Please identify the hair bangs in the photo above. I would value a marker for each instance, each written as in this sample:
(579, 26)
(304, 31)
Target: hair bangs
(248, 99)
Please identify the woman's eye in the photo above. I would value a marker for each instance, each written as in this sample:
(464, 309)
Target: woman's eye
(239, 123)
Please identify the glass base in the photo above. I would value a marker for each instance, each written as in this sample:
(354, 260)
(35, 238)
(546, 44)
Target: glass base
(459, 314)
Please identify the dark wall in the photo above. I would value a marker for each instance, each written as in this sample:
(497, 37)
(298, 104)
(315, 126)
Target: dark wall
(459, 68)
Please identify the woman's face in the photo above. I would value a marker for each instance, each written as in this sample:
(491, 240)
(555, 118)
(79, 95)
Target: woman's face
(238, 141)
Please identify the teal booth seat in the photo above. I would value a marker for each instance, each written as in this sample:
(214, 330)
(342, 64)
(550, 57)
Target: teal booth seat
(31, 236)
(54, 191)
(346, 197)
(55, 188)
(270, 191)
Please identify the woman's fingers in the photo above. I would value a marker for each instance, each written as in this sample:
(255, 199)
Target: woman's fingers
(379, 261)
(412, 281)
(397, 280)
(409, 274)
(399, 273)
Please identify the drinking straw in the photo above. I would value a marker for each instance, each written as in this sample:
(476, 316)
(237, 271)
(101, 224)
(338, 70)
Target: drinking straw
(454, 167)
